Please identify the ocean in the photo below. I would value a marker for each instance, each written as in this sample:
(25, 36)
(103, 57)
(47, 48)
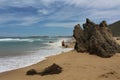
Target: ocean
(18, 52)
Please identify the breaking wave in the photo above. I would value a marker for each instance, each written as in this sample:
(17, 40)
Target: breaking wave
(18, 40)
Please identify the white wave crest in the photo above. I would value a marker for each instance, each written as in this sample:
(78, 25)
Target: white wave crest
(57, 44)
(16, 40)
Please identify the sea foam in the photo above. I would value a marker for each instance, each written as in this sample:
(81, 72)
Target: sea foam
(15, 62)
(18, 40)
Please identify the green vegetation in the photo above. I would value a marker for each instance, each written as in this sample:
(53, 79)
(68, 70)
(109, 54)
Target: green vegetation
(115, 28)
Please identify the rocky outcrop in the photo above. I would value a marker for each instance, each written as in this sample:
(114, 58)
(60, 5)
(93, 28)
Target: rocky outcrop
(95, 39)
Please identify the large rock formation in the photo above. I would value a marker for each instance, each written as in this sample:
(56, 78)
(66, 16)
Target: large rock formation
(95, 39)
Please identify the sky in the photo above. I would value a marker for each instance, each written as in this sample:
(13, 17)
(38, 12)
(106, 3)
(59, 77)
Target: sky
(53, 17)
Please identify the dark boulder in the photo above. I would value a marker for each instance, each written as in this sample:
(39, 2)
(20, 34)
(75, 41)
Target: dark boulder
(31, 72)
(95, 39)
(53, 69)
(51, 42)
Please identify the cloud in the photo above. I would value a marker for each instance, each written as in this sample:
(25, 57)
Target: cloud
(78, 3)
(43, 11)
(17, 3)
(61, 24)
(94, 3)
(13, 20)
(24, 3)
(56, 13)
(105, 4)
(28, 21)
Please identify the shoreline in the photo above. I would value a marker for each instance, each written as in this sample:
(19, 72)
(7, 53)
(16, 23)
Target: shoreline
(38, 61)
(75, 66)
(41, 59)
(42, 54)
(45, 59)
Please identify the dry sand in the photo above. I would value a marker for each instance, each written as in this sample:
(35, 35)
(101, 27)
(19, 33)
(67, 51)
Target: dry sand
(76, 66)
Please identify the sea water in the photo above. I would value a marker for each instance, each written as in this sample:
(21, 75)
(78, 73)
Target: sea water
(21, 52)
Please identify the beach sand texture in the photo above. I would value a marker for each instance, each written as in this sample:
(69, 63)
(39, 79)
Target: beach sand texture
(76, 66)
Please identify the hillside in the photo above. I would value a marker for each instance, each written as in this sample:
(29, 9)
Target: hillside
(115, 28)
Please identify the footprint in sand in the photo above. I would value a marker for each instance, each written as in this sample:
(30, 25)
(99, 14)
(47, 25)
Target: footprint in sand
(110, 74)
